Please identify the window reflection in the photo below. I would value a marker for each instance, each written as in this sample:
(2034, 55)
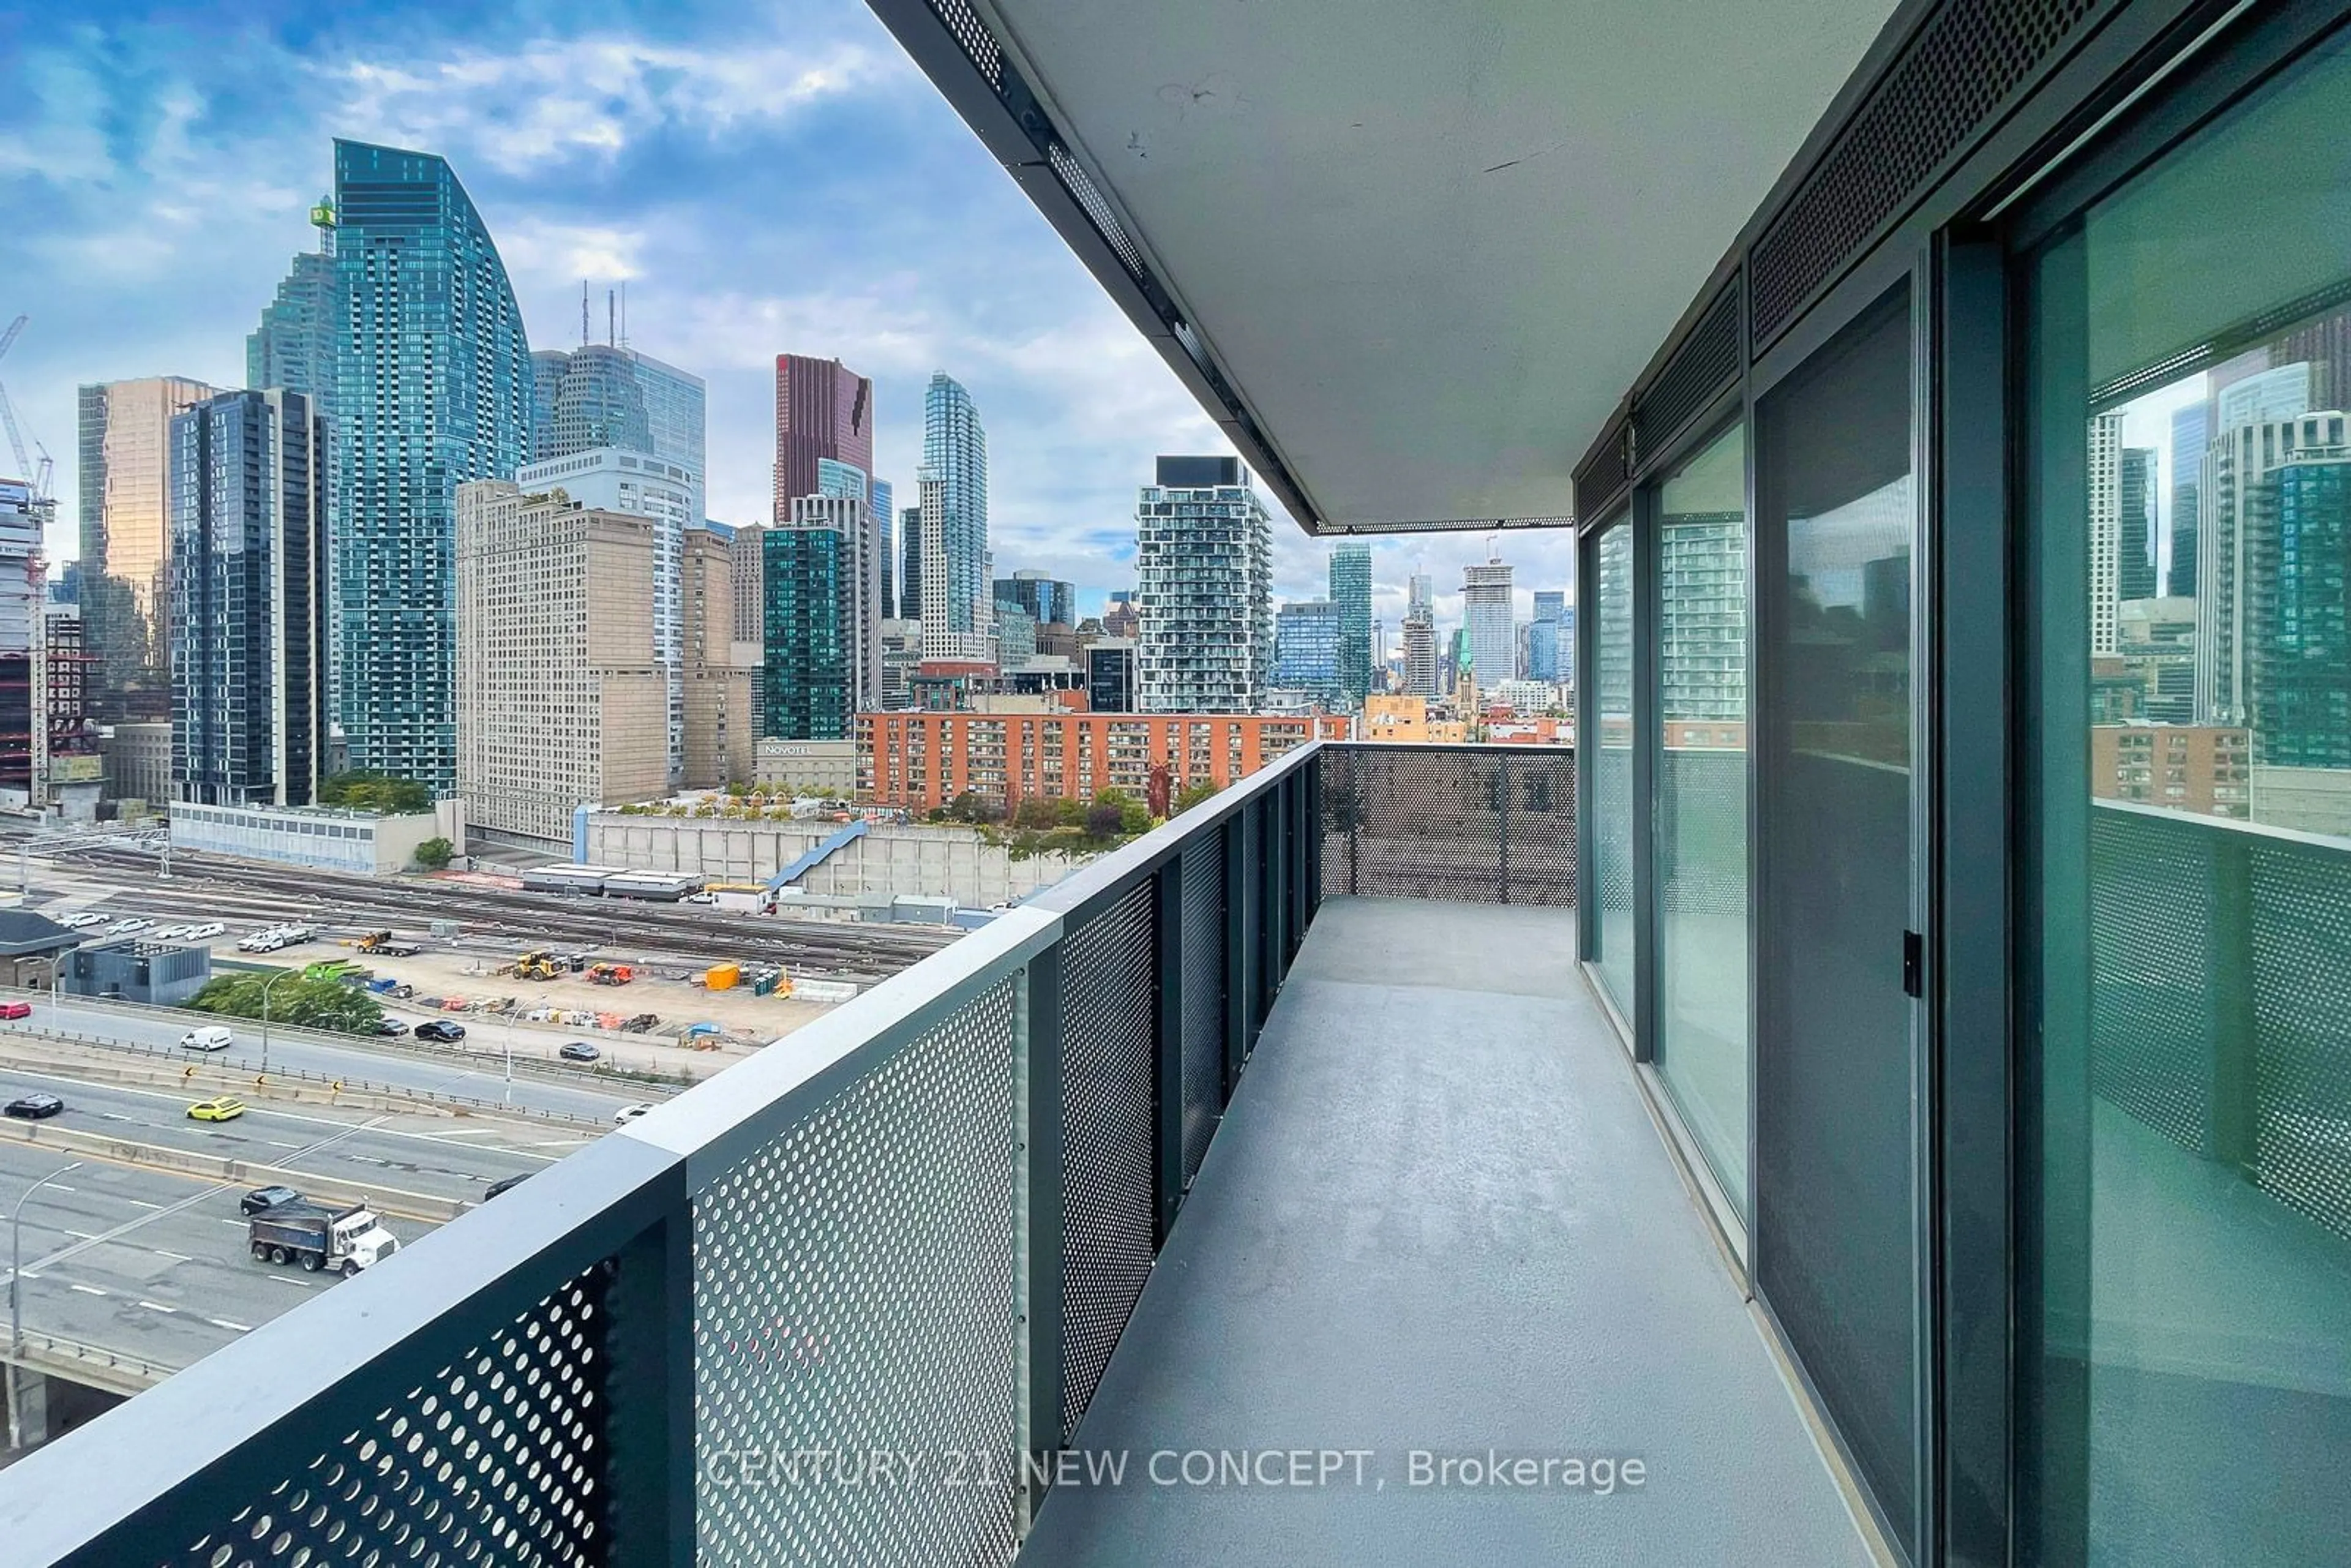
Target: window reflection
(2193, 536)
(1612, 772)
(1701, 819)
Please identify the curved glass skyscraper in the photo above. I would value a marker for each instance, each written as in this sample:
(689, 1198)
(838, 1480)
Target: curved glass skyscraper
(433, 388)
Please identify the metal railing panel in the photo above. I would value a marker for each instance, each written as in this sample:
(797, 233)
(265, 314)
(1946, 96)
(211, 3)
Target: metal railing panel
(2223, 1009)
(1203, 982)
(1108, 1019)
(854, 1295)
(456, 1398)
(917, 1226)
(1472, 824)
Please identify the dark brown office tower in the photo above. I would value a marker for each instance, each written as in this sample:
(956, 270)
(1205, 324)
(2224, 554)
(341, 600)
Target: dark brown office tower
(824, 409)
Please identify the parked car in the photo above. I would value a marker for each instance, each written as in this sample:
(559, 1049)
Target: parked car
(165, 933)
(441, 1030)
(391, 1027)
(702, 898)
(34, 1107)
(267, 1197)
(82, 921)
(628, 1114)
(504, 1184)
(16, 1009)
(125, 928)
(220, 1108)
(206, 932)
(579, 1050)
(212, 1036)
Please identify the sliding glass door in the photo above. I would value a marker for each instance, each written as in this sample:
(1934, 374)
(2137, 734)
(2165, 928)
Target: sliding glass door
(1836, 1103)
(1701, 822)
(2187, 1351)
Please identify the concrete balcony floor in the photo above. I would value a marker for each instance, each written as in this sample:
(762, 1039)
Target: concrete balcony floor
(1439, 1218)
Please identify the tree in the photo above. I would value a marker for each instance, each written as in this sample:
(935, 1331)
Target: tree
(309, 1004)
(1104, 819)
(433, 854)
(972, 807)
(1193, 794)
(365, 791)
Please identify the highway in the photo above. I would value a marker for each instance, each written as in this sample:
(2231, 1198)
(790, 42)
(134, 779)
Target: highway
(154, 1264)
(361, 1060)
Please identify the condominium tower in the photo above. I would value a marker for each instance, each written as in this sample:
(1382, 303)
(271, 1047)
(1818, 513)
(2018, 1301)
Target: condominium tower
(1351, 593)
(1485, 616)
(248, 621)
(433, 388)
(953, 590)
(1204, 594)
(126, 540)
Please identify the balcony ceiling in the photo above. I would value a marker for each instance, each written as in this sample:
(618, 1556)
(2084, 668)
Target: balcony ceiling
(1431, 244)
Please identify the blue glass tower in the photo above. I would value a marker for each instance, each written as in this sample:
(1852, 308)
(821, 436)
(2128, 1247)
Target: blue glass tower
(1351, 596)
(433, 386)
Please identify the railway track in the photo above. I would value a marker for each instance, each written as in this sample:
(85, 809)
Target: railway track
(809, 947)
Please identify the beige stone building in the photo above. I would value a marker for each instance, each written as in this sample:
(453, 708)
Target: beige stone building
(561, 699)
(719, 734)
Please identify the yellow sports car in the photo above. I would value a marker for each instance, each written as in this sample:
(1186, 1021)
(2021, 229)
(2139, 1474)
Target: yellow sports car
(227, 1108)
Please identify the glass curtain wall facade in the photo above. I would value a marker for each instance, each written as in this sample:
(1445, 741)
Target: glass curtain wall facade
(1700, 820)
(248, 579)
(1351, 592)
(433, 387)
(2189, 1300)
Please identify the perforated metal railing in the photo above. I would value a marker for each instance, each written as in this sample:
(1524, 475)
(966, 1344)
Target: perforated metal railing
(815, 1311)
(2220, 1012)
(1475, 824)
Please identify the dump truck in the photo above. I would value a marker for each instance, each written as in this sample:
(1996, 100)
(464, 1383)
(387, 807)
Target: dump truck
(540, 965)
(380, 942)
(345, 1240)
(610, 975)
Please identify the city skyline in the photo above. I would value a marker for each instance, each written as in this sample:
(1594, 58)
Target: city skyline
(165, 172)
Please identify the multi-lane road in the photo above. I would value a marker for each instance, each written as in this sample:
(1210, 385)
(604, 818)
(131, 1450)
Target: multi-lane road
(468, 1076)
(152, 1265)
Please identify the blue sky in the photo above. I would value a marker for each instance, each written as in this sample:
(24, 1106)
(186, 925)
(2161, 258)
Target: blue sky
(766, 178)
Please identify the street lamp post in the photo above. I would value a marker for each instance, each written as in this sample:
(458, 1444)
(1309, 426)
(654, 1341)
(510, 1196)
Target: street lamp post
(269, 986)
(16, 1301)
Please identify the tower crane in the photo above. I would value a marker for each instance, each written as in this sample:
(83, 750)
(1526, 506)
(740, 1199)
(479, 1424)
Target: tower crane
(38, 477)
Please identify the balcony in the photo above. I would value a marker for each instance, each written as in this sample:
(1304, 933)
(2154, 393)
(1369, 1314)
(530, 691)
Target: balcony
(1280, 1158)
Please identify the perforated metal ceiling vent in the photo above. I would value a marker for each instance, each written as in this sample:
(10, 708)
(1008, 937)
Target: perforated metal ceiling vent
(1964, 65)
(1605, 470)
(1707, 363)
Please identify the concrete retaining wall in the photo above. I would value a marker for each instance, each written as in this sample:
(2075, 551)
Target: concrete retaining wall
(936, 862)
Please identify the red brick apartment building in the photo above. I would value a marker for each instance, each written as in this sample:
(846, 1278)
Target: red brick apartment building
(922, 760)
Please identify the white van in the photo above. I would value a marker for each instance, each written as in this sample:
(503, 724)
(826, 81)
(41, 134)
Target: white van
(212, 1036)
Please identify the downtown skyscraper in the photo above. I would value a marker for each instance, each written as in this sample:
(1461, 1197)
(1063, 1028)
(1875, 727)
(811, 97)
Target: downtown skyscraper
(952, 575)
(126, 538)
(604, 395)
(1350, 594)
(248, 568)
(1485, 616)
(430, 384)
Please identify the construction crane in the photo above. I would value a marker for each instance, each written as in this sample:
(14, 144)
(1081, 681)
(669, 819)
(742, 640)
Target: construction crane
(37, 477)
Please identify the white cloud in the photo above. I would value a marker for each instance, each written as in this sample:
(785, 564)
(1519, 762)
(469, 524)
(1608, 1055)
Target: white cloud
(557, 98)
